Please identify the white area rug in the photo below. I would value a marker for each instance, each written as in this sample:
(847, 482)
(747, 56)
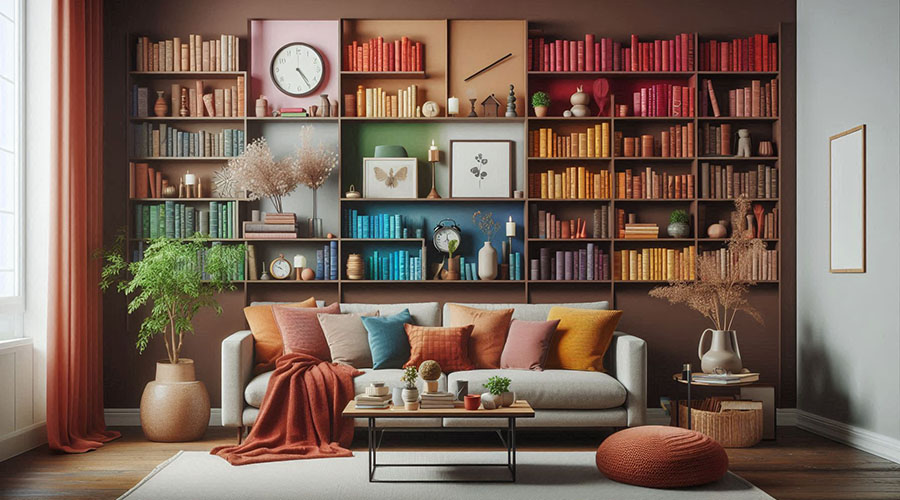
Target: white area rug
(541, 475)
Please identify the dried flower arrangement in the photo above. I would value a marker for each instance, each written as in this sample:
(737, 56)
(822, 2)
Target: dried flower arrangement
(312, 163)
(720, 293)
(257, 171)
(486, 223)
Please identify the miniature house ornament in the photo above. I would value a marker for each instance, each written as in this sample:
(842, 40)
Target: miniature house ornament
(511, 103)
(490, 106)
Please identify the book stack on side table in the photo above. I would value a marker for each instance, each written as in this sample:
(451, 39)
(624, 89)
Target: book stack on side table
(725, 378)
(377, 396)
(273, 227)
(433, 400)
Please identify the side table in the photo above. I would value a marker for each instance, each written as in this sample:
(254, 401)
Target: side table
(685, 377)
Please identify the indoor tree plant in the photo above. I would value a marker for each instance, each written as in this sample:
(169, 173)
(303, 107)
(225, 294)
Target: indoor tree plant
(487, 255)
(540, 101)
(720, 292)
(679, 226)
(498, 393)
(175, 279)
(410, 392)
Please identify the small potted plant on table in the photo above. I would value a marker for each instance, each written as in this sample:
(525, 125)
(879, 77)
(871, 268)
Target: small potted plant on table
(540, 101)
(498, 393)
(410, 392)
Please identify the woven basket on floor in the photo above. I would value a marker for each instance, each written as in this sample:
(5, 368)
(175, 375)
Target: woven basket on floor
(739, 424)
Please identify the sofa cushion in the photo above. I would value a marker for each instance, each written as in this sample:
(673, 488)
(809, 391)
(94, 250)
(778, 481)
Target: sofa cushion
(347, 338)
(488, 335)
(423, 313)
(267, 341)
(582, 338)
(527, 344)
(529, 312)
(387, 339)
(552, 389)
(301, 331)
(449, 346)
(256, 389)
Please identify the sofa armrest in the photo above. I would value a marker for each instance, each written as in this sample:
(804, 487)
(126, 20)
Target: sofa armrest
(628, 363)
(237, 368)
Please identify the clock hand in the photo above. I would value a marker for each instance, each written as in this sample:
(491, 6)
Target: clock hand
(303, 76)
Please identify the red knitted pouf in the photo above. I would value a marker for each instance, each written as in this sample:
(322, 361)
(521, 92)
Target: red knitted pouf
(661, 457)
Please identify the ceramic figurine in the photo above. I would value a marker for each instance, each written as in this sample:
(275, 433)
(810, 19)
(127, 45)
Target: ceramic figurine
(326, 105)
(184, 103)
(743, 146)
(579, 102)
(511, 103)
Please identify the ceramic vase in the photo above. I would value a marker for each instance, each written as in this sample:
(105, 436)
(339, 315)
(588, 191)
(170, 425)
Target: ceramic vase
(490, 401)
(397, 397)
(461, 390)
(411, 399)
(487, 262)
(161, 107)
(431, 386)
(717, 230)
(356, 268)
(723, 356)
(678, 229)
(453, 268)
(325, 105)
(540, 111)
(508, 398)
(175, 405)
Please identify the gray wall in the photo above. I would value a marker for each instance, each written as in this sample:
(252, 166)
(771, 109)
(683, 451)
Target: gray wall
(848, 325)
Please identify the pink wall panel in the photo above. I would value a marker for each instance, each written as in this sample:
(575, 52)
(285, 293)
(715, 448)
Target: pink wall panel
(267, 36)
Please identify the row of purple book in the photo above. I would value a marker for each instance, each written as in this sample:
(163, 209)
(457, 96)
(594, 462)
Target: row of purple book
(583, 264)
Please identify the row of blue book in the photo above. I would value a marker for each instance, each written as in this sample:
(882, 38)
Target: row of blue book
(469, 270)
(399, 265)
(383, 226)
(236, 274)
(166, 141)
(327, 262)
(171, 219)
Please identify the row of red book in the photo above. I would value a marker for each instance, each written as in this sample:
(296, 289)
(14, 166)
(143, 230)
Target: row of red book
(377, 54)
(754, 53)
(756, 100)
(607, 55)
(677, 142)
(652, 185)
(664, 99)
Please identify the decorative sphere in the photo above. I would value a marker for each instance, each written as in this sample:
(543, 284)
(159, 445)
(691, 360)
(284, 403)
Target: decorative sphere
(567, 113)
(430, 370)
(329, 235)
(307, 274)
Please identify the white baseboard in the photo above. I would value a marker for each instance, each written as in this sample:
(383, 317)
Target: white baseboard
(131, 417)
(23, 440)
(871, 442)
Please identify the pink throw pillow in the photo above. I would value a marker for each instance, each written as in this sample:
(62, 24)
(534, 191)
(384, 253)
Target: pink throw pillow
(527, 344)
(302, 332)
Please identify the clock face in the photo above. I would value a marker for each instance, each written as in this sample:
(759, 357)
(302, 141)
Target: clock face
(297, 69)
(443, 236)
(430, 109)
(280, 268)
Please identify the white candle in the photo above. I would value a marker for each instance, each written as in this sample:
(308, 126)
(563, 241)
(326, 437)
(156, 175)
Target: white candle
(510, 228)
(453, 106)
(190, 179)
(299, 261)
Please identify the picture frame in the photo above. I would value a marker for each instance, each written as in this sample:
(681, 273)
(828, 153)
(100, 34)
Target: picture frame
(390, 178)
(847, 201)
(481, 168)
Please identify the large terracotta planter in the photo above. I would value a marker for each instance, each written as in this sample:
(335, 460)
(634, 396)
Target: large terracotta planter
(175, 406)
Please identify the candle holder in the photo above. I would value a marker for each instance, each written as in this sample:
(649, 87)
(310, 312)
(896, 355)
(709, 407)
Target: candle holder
(472, 113)
(434, 156)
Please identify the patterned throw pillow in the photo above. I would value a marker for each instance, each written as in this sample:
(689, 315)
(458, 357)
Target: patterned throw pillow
(301, 331)
(582, 338)
(268, 344)
(449, 346)
(387, 339)
(488, 335)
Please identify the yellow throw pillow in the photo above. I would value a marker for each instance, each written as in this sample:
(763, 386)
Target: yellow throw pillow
(582, 338)
(268, 344)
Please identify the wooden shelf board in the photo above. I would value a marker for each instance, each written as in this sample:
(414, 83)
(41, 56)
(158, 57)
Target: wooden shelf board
(738, 73)
(435, 119)
(731, 200)
(716, 240)
(386, 75)
(569, 119)
(291, 240)
(293, 282)
(376, 240)
(233, 240)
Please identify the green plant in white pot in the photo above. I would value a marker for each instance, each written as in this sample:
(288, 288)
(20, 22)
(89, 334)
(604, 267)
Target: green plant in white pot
(410, 391)
(498, 393)
(174, 280)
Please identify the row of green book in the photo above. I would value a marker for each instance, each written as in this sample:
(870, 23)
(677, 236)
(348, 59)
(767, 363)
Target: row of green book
(179, 220)
(167, 141)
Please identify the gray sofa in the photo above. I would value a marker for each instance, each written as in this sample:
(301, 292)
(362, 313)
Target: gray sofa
(561, 398)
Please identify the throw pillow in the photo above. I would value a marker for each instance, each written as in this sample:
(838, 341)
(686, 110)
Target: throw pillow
(347, 338)
(449, 346)
(582, 338)
(387, 339)
(527, 344)
(488, 334)
(300, 329)
(268, 345)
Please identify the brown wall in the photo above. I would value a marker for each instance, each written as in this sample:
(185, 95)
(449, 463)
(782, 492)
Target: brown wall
(671, 332)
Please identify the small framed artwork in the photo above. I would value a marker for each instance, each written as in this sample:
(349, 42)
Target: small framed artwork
(481, 169)
(390, 177)
(847, 201)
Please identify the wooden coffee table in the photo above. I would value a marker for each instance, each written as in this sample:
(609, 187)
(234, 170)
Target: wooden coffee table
(520, 409)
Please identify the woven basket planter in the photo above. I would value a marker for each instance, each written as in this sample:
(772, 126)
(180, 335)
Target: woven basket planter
(739, 424)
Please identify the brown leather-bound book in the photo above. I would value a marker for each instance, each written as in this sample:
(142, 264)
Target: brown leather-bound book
(725, 147)
(209, 104)
(198, 88)
(774, 94)
(754, 99)
(712, 98)
(647, 145)
(218, 102)
(690, 139)
(158, 189)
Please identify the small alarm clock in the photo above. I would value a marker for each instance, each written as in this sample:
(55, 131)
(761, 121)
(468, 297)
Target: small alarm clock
(430, 109)
(280, 268)
(445, 231)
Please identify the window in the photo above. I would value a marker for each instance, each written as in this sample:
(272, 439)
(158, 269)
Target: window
(11, 171)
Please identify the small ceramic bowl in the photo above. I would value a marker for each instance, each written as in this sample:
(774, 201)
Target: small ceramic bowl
(472, 401)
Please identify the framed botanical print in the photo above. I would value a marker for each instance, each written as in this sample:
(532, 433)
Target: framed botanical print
(390, 177)
(481, 169)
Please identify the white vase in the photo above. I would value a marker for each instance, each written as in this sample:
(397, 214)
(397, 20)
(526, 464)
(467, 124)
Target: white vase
(508, 398)
(411, 399)
(490, 401)
(487, 262)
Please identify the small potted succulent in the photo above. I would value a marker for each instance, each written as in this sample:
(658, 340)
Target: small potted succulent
(410, 392)
(679, 226)
(540, 101)
(452, 262)
(498, 393)
(430, 372)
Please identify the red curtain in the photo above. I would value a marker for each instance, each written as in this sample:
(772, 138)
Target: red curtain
(74, 356)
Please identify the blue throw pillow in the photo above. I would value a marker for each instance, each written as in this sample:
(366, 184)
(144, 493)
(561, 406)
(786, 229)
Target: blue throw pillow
(388, 340)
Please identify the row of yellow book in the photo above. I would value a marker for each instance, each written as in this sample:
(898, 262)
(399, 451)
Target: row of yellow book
(573, 183)
(375, 102)
(656, 264)
(594, 142)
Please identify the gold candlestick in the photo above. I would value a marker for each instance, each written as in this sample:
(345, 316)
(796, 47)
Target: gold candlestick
(434, 156)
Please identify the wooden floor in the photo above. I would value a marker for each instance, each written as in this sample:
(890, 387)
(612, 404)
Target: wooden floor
(798, 465)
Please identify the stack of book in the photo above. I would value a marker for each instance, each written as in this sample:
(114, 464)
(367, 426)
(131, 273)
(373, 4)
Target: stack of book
(221, 53)
(722, 182)
(757, 99)
(375, 226)
(762, 267)
(166, 141)
(652, 185)
(228, 101)
(375, 102)
(275, 226)
(655, 264)
(327, 261)
(377, 396)
(570, 183)
(663, 99)
(607, 55)
(584, 264)
(376, 54)
(641, 231)
(172, 219)
(725, 378)
(592, 143)
(293, 112)
(398, 265)
(435, 400)
(754, 53)
(677, 142)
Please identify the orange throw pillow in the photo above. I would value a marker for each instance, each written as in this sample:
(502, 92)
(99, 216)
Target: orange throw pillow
(446, 345)
(268, 345)
(489, 333)
(582, 338)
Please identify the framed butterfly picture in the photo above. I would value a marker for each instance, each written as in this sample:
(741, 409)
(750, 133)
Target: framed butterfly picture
(481, 169)
(390, 177)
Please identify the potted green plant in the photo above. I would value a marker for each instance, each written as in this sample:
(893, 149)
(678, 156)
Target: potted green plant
(679, 224)
(410, 392)
(452, 262)
(540, 101)
(498, 393)
(172, 282)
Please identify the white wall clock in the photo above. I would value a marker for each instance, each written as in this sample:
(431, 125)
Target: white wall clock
(297, 69)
